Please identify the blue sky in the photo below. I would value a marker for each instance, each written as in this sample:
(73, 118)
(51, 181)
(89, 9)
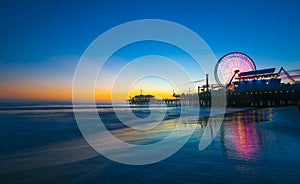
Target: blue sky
(41, 41)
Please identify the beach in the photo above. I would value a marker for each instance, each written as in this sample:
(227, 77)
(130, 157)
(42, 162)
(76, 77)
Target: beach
(41, 143)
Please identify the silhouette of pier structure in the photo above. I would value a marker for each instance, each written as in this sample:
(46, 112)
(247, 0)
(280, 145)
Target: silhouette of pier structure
(259, 88)
(239, 84)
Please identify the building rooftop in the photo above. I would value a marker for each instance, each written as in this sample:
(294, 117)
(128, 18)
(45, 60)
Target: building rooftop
(258, 72)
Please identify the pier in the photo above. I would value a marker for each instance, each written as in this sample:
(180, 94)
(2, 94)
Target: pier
(239, 83)
(259, 88)
(253, 99)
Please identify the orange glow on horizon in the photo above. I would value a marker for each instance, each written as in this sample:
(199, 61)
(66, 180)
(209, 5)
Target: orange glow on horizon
(36, 91)
(33, 90)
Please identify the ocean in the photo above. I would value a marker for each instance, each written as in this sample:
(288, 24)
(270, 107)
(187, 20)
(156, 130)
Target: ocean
(40, 142)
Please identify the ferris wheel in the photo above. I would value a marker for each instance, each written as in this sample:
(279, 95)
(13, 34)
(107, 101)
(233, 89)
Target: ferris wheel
(230, 64)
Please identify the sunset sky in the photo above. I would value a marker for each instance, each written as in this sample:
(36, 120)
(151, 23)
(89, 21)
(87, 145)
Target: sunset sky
(42, 41)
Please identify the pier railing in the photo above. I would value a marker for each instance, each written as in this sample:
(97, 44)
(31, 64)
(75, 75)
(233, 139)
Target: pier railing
(254, 99)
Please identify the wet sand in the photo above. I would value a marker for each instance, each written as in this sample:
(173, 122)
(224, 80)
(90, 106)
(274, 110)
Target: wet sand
(260, 145)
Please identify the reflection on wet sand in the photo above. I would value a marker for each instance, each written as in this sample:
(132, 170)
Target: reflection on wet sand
(240, 136)
(240, 139)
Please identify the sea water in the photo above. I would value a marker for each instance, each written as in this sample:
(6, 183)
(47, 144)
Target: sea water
(40, 142)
